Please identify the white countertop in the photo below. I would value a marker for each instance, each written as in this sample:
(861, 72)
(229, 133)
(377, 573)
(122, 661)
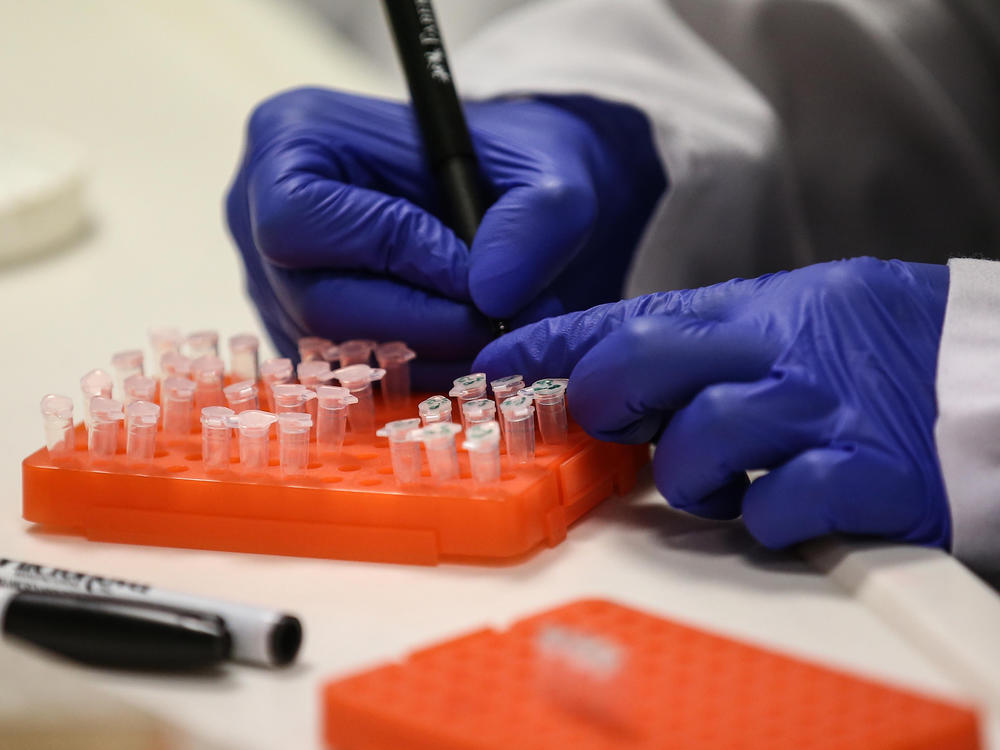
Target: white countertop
(156, 94)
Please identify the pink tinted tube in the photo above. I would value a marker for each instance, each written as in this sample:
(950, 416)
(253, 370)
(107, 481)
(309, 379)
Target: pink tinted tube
(175, 365)
(202, 343)
(161, 341)
(141, 418)
(207, 372)
(102, 435)
(311, 348)
(332, 402)
(241, 396)
(356, 352)
(273, 372)
(94, 383)
(124, 365)
(243, 356)
(177, 400)
(404, 451)
(57, 418)
(139, 388)
(358, 380)
(217, 424)
(394, 357)
(254, 429)
(293, 442)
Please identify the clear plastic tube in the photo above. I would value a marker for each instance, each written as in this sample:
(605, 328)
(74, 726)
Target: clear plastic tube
(254, 428)
(550, 404)
(203, 343)
(358, 380)
(311, 348)
(161, 341)
(519, 428)
(394, 357)
(293, 442)
(207, 372)
(478, 411)
(175, 365)
(273, 372)
(102, 434)
(468, 388)
(331, 417)
(124, 365)
(403, 450)
(139, 388)
(434, 409)
(57, 418)
(312, 375)
(482, 441)
(291, 398)
(243, 356)
(94, 383)
(217, 424)
(177, 400)
(356, 352)
(241, 396)
(140, 430)
(439, 442)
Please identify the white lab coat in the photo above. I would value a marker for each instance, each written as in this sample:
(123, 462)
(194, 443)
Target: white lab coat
(796, 131)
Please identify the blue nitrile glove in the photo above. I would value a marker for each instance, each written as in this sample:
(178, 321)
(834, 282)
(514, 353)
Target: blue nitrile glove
(824, 375)
(336, 216)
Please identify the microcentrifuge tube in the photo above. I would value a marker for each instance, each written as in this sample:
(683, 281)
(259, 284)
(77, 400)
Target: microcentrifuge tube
(273, 372)
(139, 388)
(331, 417)
(175, 365)
(124, 365)
(243, 354)
(434, 409)
(102, 434)
(550, 404)
(293, 442)
(254, 427)
(241, 396)
(506, 387)
(332, 355)
(356, 352)
(311, 348)
(394, 357)
(201, 343)
(291, 398)
(177, 400)
(140, 430)
(482, 441)
(468, 388)
(208, 372)
(439, 442)
(519, 428)
(57, 417)
(404, 451)
(94, 383)
(217, 423)
(358, 380)
(161, 341)
(478, 411)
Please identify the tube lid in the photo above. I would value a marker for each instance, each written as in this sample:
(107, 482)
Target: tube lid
(316, 369)
(357, 375)
(479, 408)
(129, 359)
(292, 394)
(96, 382)
(399, 430)
(175, 363)
(254, 420)
(507, 382)
(312, 347)
(482, 436)
(54, 405)
(207, 368)
(240, 391)
(549, 390)
(468, 385)
(218, 416)
(243, 342)
(334, 396)
(277, 368)
(435, 431)
(105, 409)
(393, 353)
(140, 387)
(517, 407)
(434, 405)
(142, 413)
(177, 388)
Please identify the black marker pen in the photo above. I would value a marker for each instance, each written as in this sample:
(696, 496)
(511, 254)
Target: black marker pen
(114, 633)
(439, 115)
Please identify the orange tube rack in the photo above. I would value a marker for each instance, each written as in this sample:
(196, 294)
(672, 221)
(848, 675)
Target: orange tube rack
(677, 687)
(346, 507)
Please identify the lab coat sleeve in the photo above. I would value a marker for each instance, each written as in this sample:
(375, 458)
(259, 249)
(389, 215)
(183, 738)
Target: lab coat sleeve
(967, 432)
(727, 210)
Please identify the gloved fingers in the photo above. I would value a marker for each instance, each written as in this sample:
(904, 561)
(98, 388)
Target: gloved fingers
(723, 503)
(628, 385)
(845, 488)
(302, 218)
(729, 429)
(341, 306)
(527, 238)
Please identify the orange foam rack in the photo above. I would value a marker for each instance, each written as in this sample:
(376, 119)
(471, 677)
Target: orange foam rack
(345, 507)
(675, 687)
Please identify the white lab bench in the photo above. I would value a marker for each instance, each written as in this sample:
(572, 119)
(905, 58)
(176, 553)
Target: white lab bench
(156, 93)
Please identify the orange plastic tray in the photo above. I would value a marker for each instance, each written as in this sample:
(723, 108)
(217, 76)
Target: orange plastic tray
(349, 507)
(678, 688)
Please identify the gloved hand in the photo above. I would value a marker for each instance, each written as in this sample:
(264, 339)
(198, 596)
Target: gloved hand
(824, 375)
(336, 216)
